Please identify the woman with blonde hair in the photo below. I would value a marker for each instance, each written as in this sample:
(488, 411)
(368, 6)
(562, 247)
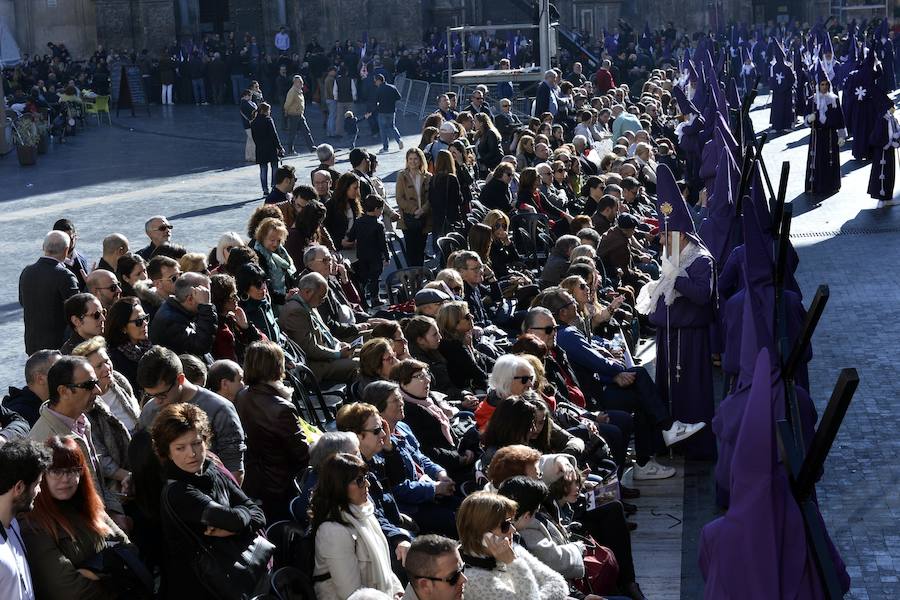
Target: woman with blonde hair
(444, 194)
(497, 567)
(469, 366)
(525, 153)
(274, 259)
(413, 184)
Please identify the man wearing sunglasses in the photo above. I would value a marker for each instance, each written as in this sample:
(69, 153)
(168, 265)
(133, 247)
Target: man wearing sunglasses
(159, 230)
(104, 285)
(435, 569)
(86, 316)
(74, 386)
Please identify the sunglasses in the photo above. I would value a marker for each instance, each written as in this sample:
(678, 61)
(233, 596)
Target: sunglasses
(451, 580)
(525, 379)
(140, 321)
(584, 286)
(84, 385)
(501, 226)
(361, 480)
(560, 171)
(506, 525)
(549, 329)
(174, 278)
(166, 227)
(377, 431)
(97, 315)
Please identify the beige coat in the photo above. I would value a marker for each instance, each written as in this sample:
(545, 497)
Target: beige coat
(294, 102)
(408, 201)
(348, 562)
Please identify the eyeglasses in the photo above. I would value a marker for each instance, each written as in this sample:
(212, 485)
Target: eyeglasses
(165, 227)
(148, 397)
(377, 431)
(451, 580)
(97, 315)
(506, 525)
(74, 473)
(549, 329)
(361, 480)
(525, 379)
(139, 322)
(84, 385)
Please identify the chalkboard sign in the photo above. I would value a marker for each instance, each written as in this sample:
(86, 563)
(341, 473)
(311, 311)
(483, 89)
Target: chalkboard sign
(127, 87)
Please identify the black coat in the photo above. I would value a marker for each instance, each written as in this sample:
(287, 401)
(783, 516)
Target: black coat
(468, 365)
(265, 136)
(446, 202)
(496, 195)
(489, 152)
(44, 286)
(184, 332)
(25, 403)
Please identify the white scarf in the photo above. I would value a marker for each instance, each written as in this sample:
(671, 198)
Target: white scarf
(362, 519)
(823, 101)
(664, 287)
(679, 129)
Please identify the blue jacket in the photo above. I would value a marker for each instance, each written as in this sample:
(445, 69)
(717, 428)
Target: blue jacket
(411, 491)
(585, 355)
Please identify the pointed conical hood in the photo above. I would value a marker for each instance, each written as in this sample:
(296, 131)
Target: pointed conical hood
(819, 74)
(673, 211)
(724, 130)
(827, 48)
(685, 106)
(715, 230)
(732, 95)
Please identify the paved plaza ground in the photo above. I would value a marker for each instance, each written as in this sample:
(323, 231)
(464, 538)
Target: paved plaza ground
(186, 163)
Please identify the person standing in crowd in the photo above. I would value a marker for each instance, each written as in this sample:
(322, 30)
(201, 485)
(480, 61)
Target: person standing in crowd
(827, 134)
(295, 116)
(166, 72)
(413, 184)
(248, 113)
(386, 97)
(22, 467)
(268, 145)
(44, 287)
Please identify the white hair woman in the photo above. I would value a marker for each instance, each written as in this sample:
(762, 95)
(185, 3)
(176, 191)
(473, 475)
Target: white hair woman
(511, 376)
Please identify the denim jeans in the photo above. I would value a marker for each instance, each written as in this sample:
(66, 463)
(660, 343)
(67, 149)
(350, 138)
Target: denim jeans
(387, 129)
(199, 87)
(331, 124)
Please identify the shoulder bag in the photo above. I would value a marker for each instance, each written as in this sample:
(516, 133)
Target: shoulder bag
(229, 570)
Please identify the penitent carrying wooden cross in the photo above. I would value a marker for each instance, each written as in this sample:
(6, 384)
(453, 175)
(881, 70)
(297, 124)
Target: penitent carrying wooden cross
(804, 470)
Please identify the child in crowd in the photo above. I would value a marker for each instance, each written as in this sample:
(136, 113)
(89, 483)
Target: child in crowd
(371, 247)
(351, 127)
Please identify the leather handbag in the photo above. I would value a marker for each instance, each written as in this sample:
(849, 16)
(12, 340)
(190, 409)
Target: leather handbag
(229, 569)
(601, 569)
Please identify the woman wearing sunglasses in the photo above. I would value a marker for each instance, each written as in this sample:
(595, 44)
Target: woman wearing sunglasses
(496, 566)
(126, 337)
(503, 252)
(469, 366)
(511, 376)
(351, 550)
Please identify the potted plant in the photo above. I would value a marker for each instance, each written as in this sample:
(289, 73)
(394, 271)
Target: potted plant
(26, 138)
(43, 136)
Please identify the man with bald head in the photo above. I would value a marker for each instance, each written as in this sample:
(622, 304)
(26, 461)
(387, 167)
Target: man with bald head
(44, 288)
(104, 285)
(159, 230)
(115, 245)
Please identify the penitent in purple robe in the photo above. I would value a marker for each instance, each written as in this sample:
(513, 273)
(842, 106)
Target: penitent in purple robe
(683, 366)
(758, 549)
(781, 83)
(823, 163)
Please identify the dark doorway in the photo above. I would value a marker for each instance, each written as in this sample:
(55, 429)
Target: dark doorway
(213, 15)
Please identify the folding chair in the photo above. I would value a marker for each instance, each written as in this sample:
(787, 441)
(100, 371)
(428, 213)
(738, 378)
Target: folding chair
(446, 246)
(290, 583)
(402, 285)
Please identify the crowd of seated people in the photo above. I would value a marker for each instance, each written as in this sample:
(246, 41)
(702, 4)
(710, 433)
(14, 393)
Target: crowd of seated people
(192, 398)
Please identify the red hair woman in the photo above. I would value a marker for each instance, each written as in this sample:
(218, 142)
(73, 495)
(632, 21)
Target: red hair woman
(67, 528)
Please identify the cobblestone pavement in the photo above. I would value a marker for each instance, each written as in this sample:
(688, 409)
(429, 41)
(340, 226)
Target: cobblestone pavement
(186, 163)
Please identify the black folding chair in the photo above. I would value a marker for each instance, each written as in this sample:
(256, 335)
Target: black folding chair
(402, 285)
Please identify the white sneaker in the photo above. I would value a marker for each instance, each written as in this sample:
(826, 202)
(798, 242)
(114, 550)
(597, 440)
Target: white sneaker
(681, 431)
(652, 470)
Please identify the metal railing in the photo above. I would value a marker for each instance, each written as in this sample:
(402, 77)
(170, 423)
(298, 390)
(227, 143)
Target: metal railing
(419, 98)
